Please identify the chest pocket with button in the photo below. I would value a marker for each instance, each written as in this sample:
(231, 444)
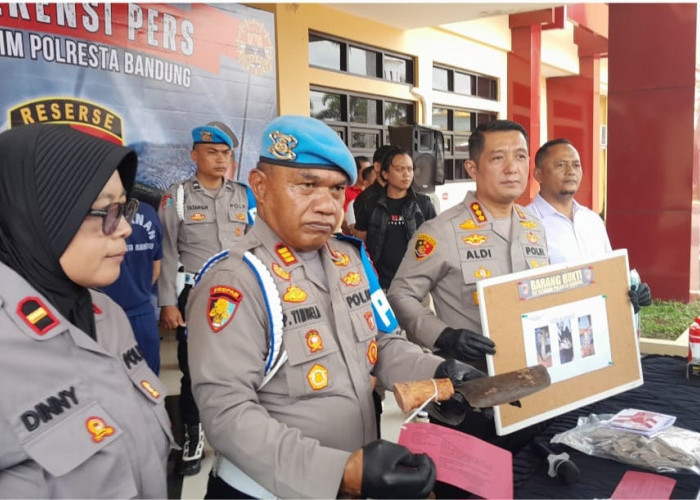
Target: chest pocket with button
(533, 249)
(235, 227)
(197, 214)
(315, 363)
(473, 271)
(364, 326)
(85, 444)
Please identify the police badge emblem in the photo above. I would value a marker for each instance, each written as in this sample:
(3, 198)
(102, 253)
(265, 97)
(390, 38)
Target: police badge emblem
(282, 146)
(223, 302)
(424, 246)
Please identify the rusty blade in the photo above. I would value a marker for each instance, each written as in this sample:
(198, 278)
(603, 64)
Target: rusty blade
(504, 388)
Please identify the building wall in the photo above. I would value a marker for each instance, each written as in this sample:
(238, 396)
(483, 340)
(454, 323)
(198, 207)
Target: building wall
(449, 47)
(479, 46)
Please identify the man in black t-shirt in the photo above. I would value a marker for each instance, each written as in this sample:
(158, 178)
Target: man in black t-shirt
(395, 242)
(364, 203)
(396, 214)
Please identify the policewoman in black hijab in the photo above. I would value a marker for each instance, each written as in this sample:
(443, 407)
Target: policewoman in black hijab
(81, 414)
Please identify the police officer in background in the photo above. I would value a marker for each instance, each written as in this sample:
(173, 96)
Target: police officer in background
(286, 333)
(81, 414)
(485, 235)
(200, 217)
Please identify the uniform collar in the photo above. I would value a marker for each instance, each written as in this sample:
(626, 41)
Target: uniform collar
(474, 207)
(197, 186)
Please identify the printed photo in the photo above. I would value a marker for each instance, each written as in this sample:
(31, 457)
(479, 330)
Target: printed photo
(585, 335)
(544, 347)
(566, 343)
(568, 339)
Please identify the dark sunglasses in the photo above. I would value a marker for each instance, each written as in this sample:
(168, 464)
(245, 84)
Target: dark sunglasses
(112, 214)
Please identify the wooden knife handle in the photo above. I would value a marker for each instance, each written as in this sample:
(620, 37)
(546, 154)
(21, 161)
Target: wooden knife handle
(410, 395)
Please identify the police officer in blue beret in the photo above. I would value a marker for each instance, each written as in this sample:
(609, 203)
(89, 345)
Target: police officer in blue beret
(287, 334)
(200, 216)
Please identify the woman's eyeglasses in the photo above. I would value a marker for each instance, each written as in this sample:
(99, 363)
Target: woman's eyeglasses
(113, 213)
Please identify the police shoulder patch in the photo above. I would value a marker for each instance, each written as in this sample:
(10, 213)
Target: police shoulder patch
(424, 246)
(166, 201)
(223, 302)
(36, 315)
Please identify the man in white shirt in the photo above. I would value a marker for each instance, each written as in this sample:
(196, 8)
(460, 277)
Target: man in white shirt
(573, 231)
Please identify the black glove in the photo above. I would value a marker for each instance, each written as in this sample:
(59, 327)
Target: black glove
(463, 344)
(453, 411)
(640, 296)
(457, 371)
(390, 470)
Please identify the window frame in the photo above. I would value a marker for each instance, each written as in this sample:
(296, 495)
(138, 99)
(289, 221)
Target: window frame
(476, 79)
(454, 161)
(344, 63)
(346, 127)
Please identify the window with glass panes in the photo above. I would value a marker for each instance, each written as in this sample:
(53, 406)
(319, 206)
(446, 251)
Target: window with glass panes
(456, 126)
(350, 57)
(461, 82)
(361, 120)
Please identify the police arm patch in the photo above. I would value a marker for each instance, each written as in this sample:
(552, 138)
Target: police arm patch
(166, 201)
(424, 246)
(223, 302)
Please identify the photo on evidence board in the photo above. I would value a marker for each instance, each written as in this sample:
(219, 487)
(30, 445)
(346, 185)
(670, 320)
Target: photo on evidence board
(569, 339)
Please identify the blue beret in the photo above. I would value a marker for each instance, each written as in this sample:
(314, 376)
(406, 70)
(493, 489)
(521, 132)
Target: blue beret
(303, 142)
(209, 134)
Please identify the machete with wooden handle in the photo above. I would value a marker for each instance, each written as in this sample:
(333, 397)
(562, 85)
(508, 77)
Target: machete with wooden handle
(479, 393)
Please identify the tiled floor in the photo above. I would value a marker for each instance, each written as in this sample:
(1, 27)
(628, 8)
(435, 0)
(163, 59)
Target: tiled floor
(194, 487)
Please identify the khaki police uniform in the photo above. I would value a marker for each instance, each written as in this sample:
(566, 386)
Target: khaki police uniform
(448, 255)
(197, 225)
(78, 418)
(293, 435)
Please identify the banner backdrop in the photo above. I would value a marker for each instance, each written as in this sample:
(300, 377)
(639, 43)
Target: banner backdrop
(144, 74)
